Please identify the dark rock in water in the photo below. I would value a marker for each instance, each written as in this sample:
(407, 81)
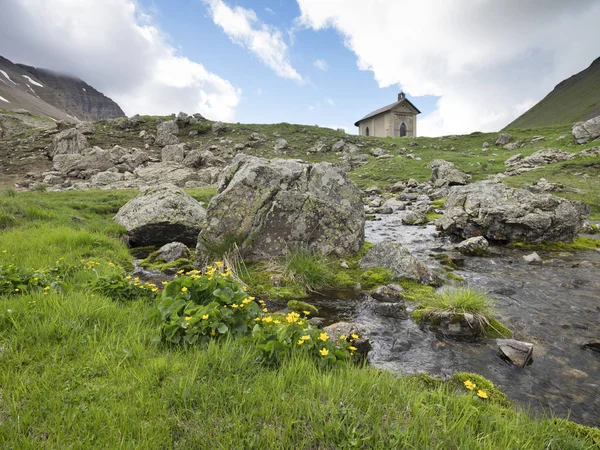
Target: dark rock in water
(173, 251)
(592, 345)
(392, 256)
(457, 325)
(517, 352)
(160, 215)
(387, 294)
(391, 310)
(267, 207)
(501, 213)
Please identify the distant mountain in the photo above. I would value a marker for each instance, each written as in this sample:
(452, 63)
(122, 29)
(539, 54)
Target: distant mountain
(50, 94)
(573, 100)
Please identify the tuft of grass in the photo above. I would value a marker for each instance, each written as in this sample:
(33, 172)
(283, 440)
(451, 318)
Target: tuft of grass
(579, 243)
(310, 270)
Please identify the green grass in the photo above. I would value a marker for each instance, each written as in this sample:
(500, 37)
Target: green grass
(579, 243)
(81, 370)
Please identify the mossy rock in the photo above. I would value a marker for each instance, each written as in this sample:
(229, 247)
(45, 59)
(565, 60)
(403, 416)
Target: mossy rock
(376, 276)
(495, 395)
(299, 307)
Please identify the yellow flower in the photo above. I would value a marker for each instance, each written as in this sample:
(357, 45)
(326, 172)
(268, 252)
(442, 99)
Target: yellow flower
(180, 272)
(219, 264)
(205, 316)
(343, 337)
(482, 394)
(164, 283)
(17, 290)
(188, 318)
(324, 352)
(306, 337)
(251, 298)
(212, 333)
(47, 288)
(276, 321)
(154, 289)
(128, 277)
(354, 336)
(244, 288)
(469, 385)
(323, 336)
(352, 349)
(265, 310)
(136, 279)
(300, 342)
(235, 305)
(184, 289)
(292, 317)
(268, 319)
(3, 251)
(306, 313)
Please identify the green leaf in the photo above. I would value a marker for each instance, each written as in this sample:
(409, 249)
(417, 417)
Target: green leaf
(222, 328)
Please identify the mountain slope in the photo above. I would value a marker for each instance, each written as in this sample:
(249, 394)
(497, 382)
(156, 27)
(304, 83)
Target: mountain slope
(573, 100)
(49, 94)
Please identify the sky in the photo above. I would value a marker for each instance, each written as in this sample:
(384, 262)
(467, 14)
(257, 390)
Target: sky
(468, 65)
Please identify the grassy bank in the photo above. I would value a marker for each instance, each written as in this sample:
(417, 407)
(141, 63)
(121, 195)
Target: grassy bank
(83, 370)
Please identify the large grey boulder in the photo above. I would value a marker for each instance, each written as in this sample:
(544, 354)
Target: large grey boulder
(126, 160)
(586, 131)
(166, 133)
(167, 173)
(173, 251)
(445, 173)
(473, 246)
(174, 153)
(399, 261)
(268, 206)
(70, 141)
(503, 139)
(89, 159)
(160, 215)
(501, 213)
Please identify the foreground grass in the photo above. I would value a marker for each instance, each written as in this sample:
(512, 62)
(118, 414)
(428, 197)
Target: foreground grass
(81, 370)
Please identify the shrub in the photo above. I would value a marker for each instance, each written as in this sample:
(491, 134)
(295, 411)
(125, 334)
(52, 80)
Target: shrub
(121, 287)
(17, 280)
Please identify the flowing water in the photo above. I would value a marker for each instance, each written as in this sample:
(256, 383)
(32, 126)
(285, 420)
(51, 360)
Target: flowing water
(556, 306)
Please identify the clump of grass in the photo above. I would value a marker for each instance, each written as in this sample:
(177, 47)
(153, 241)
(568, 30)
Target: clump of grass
(300, 307)
(579, 243)
(308, 269)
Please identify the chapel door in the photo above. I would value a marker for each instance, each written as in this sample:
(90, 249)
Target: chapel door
(402, 130)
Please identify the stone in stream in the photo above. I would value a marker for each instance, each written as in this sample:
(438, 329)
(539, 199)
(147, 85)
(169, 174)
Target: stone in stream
(457, 325)
(267, 207)
(501, 213)
(532, 258)
(160, 215)
(391, 310)
(517, 352)
(591, 345)
(473, 246)
(388, 294)
(399, 261)
(173, 251)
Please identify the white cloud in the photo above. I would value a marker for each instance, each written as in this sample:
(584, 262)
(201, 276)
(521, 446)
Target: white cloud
(321, 64)
(266, 42)
(487, 59)
(269, 10)
(329, 101)
(115, 47)
(259, 92)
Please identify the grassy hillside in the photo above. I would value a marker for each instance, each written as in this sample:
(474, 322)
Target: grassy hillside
(81, 369)
(573, 100)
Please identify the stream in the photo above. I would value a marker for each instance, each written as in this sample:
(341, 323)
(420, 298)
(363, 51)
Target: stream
(555, 306)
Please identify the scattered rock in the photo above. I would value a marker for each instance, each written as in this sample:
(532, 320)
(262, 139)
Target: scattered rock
(160, 215)
(473, 246)
(458, 325)
(68, 142)
(589, 130)
(219, 127)
(414, 217)
(517, 352)
(85, 128)
(444, 173)
(166, 133)
(174, 153)
(377, 151)
(398, 260)
(387, 294)
(514, 145)
(277, 204)
(503, 139)
(173, 251)
(517, 164)
(533, 258)
(280, 144)
(537, 139)
(501, 213)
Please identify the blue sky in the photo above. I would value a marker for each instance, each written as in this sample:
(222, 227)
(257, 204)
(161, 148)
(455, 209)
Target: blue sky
(468, 65)
(336, 97)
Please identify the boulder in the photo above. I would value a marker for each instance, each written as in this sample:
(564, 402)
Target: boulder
(85, 128)
(174, 153)
(338, 146)
(89, 159)
(517, 164)
(106, 178)
(532, 258)
(219, 127)
(517, 352)
(167, 173)
(126, 160)
(280, 144)
(473, 246)
(444, 173)
(501, 213)
(414, 217)
(166, 133)
(388, 295)
(453, 324)
(68, 142)
(173, 251)
(503, 139)
(399, 261)
(377, 152)
(586, 131)
(160, 215)
(273, 205)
